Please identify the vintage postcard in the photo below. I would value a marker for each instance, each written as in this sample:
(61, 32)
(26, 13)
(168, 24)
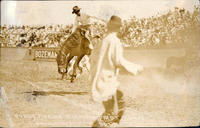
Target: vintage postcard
(100, 63)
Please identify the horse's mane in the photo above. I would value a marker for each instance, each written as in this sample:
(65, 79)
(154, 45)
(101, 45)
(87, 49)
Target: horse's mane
(74, 40)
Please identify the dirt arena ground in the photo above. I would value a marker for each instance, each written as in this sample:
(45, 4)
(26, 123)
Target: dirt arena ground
(36, 97)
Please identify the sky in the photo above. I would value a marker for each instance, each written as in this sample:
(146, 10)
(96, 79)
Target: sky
(60, 12)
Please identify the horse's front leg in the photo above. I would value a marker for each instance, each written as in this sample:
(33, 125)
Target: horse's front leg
(63, 76)
(68, 64)
(73, 76)
(76, 64)
(80, 68)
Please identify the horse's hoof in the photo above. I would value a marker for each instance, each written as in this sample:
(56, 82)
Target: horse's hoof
(72, 81)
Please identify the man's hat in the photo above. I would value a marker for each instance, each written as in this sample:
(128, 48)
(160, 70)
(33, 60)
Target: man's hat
(114, 23)
(115, 20)
(76, 9)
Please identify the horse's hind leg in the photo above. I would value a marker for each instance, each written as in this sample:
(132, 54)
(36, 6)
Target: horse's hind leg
(75, 67)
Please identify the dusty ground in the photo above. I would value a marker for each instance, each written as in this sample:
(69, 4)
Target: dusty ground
(155, 97)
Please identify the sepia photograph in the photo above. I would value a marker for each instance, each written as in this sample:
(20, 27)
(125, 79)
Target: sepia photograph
(99, 63)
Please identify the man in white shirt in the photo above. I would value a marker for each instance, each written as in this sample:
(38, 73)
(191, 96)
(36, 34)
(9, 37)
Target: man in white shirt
(106, 60)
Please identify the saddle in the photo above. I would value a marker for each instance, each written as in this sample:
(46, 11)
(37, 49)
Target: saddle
(74, 40)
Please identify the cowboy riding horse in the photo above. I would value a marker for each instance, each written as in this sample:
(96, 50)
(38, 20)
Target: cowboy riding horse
(76, 45)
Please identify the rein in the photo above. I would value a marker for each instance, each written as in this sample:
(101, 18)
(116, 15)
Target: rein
(62, 53)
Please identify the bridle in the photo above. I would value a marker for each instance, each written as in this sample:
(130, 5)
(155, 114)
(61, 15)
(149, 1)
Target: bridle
(62, 65)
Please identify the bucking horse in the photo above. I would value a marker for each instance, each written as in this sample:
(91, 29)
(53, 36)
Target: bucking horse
(75, 45)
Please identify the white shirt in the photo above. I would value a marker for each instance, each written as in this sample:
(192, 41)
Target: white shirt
(105, 59)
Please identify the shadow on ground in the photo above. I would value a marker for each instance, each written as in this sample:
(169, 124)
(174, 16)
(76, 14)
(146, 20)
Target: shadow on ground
(61, 93)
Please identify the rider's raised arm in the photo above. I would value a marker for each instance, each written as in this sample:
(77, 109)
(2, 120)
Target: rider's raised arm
(93, 18)
(85, 19)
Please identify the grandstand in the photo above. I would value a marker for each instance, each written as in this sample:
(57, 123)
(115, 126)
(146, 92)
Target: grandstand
(176, 27)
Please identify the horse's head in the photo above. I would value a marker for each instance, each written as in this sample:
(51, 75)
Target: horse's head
(61, 62)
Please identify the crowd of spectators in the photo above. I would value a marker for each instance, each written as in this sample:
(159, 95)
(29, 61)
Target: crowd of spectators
(176, 26)
(38, 36)
(41, 36)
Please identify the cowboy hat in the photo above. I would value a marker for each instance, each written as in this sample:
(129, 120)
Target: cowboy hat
(76, 9)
